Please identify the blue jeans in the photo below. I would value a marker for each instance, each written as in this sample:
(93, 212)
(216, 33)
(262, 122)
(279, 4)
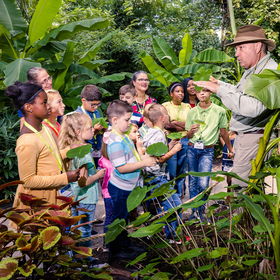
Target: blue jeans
(171, 202)
(177, 165)
(89, 216)
(199, 161)
(119, 198)
(108, 203)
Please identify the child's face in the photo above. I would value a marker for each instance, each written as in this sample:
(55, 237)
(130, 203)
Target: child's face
(147, 122)
(91, 106)
(177, 94)
(128, 97)
(123, 122)
(191, 88)
(204, 95)
(87, 132)
(57, 105)
(40, 108)
(134, 134)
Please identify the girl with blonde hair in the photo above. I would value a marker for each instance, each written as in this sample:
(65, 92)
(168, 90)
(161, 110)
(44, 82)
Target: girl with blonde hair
(76, 129)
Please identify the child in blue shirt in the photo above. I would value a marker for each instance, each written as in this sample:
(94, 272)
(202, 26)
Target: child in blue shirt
(127, 164)
(91, 101)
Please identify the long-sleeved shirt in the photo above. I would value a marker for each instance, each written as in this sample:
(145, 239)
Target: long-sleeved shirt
(248, 113)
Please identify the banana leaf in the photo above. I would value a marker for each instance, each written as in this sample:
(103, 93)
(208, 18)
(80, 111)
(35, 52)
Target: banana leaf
(212, 56)
(164, 53)
(186, 51)
(42, 19)
(265, 87)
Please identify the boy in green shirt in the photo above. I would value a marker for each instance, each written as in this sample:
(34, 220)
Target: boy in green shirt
(204, 124)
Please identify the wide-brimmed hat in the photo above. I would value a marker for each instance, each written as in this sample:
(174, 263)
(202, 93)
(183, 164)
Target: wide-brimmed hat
(252, 33)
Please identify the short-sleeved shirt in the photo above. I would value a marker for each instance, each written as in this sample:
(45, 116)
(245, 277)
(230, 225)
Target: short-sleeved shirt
(139, 108)
(90, 192)
(120, 150)
(177, 112)
(155, 135)
(214, 118)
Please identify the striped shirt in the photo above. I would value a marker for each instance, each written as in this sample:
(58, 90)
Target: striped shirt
(120, 152)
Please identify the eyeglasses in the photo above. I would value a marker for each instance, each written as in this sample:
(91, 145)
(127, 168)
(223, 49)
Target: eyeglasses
(143, 80)
(93, 105)
(49, 78)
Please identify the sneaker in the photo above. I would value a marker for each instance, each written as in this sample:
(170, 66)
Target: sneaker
(97, 264)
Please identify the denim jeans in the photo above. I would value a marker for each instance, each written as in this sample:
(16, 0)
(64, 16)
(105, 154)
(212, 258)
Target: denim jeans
(171, 202)
(85, 229)
(119, 198)
(108, 203)
(177, 165)
(199, 161)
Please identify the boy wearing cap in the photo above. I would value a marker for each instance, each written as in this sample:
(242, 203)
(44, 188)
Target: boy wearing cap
(249, 115)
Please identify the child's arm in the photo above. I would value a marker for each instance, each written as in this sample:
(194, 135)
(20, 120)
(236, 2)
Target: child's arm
(130, 167)
(86, 180)
(176, 148)
(224, 135)
(140, 148)
(193, 129)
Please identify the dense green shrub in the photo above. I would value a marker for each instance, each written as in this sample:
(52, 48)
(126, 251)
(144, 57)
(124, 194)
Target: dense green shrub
(9, 131)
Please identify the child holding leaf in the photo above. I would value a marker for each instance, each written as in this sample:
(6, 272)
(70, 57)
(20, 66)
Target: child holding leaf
(158, 116)
(76, 129)
(205, 123)
(177, 111)
(91, 101)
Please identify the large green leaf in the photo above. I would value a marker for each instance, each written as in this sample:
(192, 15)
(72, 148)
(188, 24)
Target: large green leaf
(68, 30)
(11, 18)
(175, 135)
(67, 60)
(8, 267)
(136, 197)
(164, 53)
(157, 149)
(16, 70)
(193, 253)
(258, 213)
(42, 19)
(221, 251)
(191, 69)
(212, 56)
(159, 73)
(91, 53)
(6, 44)
(79, 152)
(114, 229)
(147, 231)
(265, 87)
(186, 51)
(141, 219)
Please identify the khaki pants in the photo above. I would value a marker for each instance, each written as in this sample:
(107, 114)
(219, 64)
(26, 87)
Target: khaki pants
(245, 148)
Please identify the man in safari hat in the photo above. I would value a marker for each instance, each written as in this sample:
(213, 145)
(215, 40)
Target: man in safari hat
(249, 115)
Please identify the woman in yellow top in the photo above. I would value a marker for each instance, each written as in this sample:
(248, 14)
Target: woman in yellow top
(39, 162)
(177, 111)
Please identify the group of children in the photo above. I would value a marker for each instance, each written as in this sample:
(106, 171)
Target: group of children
(118, 156)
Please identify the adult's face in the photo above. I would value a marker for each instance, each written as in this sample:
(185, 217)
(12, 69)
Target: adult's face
(141, 83)
(44, 80)
(248, 54)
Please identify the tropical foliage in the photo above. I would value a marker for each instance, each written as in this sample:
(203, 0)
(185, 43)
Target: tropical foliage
(43, 244)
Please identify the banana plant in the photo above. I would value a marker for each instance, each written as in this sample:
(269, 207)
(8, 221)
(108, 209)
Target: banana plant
(171, 67)
(26, 45)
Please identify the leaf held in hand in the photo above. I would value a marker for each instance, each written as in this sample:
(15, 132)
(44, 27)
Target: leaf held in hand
(79, 152)
(157, 149)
